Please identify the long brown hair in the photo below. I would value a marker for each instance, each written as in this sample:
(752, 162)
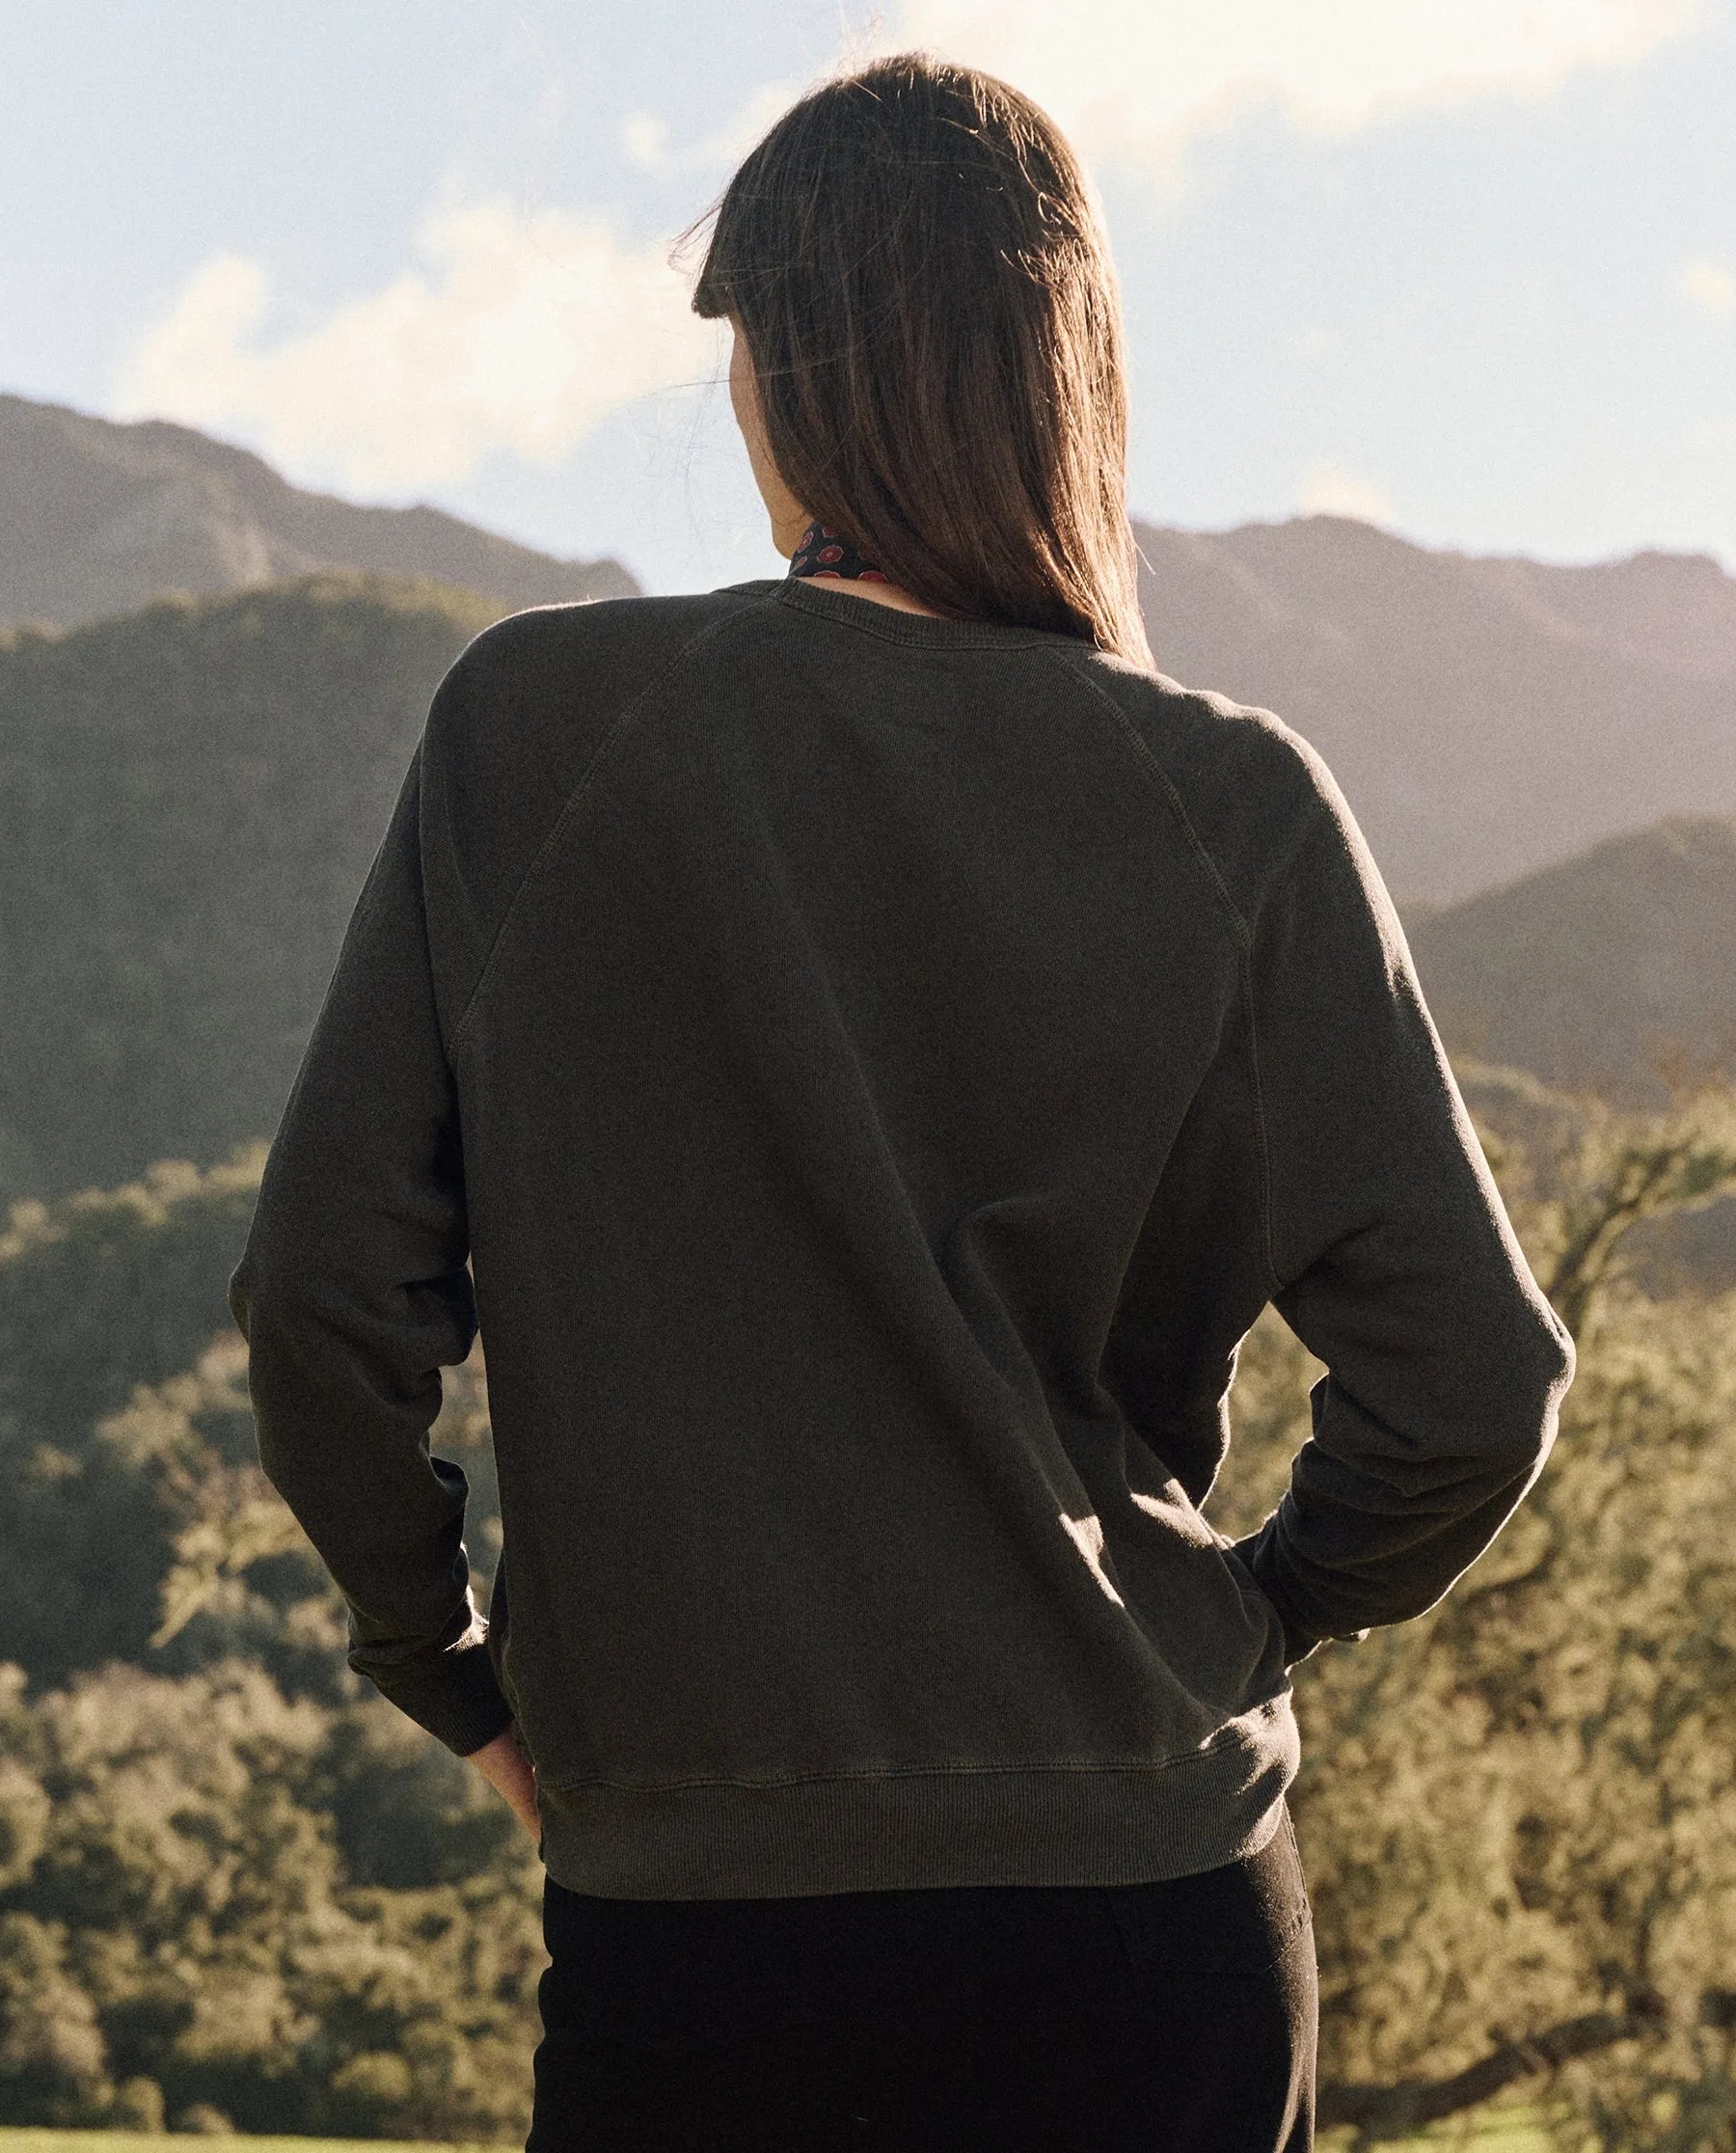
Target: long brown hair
(916, 259)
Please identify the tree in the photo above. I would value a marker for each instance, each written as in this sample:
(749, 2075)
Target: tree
(139, 1526)
(236, 1885)
(234, 1880)
(182, 1915)
(1518, 1813)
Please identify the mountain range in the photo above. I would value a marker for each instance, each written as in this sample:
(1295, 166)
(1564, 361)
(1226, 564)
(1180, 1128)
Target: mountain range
(98, 518)
(190, 791)
(1485, 715)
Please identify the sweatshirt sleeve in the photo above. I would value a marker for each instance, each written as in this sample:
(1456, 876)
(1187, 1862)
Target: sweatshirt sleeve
(353, 1293)
(1391, 1257)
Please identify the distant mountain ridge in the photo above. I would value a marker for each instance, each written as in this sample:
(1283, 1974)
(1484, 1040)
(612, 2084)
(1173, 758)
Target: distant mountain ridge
(1483, 715)
(1615, 969)
(1612, 971)
(99, 518)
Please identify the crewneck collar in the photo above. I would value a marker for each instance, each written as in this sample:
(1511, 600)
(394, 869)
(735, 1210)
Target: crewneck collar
(891, 624)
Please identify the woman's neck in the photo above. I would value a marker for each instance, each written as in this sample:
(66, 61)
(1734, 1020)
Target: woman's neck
(820, 555)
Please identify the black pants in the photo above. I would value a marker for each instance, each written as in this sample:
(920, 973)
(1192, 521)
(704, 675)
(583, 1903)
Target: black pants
(1173, 2018)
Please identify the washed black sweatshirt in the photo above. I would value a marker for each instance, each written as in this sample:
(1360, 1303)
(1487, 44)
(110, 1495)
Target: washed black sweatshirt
(865, 1073)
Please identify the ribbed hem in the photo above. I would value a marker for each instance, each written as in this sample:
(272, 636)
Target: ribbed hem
(913, 1829)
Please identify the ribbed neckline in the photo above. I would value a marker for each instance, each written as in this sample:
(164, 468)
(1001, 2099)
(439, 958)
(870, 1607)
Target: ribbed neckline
(920, 630)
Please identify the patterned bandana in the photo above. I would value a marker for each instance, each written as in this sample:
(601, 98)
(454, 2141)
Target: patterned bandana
(824, 552)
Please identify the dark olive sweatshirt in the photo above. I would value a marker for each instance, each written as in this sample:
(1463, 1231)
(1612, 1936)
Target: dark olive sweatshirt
(864, 1073)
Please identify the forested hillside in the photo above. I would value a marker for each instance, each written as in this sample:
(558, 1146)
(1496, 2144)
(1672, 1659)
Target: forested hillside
(236, 1884)
(1615, 968)
(233, 1882)
(189, 800)
(1613, 971)
(1516, 1813)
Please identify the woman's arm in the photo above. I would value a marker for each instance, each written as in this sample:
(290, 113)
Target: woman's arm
(353, 1294)
(503, 1764)
(1391, 1256)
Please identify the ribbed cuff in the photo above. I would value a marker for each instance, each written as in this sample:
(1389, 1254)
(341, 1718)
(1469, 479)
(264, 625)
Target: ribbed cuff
(455, 1695)
(1252, 1552)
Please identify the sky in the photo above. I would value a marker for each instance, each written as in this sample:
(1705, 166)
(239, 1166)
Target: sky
(1467, 269)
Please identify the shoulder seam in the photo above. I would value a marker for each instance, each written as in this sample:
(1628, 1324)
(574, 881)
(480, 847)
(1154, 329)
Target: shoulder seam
(1317, 807)
(1244, 935)
(569, 807)
(1244, 939)
(1166, 786)
(1256, 1084)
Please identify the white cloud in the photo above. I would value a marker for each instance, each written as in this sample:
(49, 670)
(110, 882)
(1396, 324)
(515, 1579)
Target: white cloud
(1138, 79)
(645, 138)
(1327, 489)
(514, 333)
(1709, 286)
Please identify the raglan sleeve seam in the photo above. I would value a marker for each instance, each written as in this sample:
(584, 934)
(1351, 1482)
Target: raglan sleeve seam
(1312, 815)
(633, 708)
(1163, 783)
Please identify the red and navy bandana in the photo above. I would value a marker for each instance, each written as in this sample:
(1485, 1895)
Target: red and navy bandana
(824, 552)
